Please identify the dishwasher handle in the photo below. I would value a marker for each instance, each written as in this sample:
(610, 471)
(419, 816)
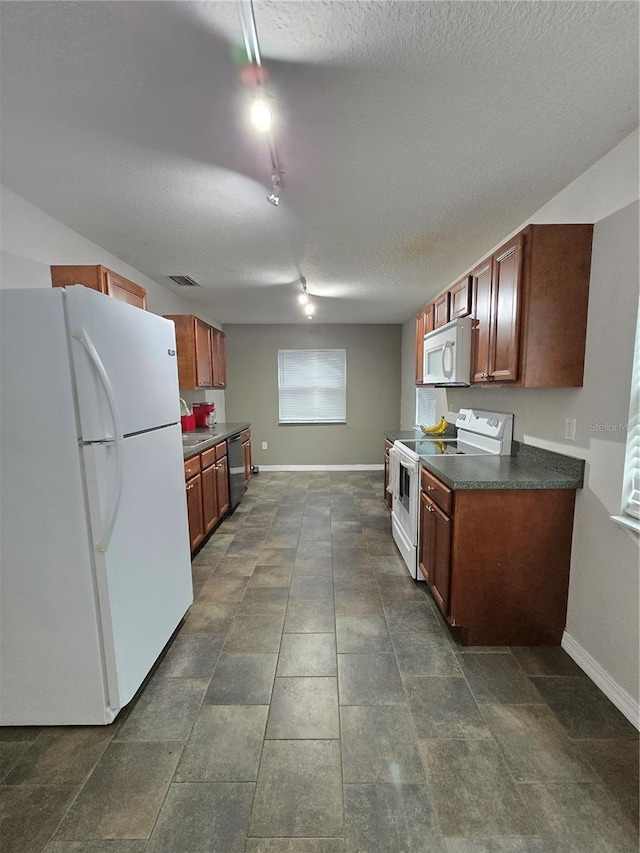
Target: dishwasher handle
(234, 438)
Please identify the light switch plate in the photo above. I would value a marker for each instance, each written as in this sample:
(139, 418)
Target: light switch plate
(570, 429)
(264, 445)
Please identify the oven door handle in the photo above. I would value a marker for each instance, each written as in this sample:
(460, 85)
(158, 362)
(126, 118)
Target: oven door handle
(410, 466)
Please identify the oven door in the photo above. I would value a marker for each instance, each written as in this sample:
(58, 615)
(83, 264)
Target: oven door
(405, 508)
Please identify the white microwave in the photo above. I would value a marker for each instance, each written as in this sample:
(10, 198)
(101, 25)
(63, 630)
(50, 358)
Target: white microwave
(447, 354)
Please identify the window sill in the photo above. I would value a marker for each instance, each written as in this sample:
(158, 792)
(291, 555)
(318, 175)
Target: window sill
(626, 521)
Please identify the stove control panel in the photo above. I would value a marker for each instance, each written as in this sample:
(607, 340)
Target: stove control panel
(496, 425)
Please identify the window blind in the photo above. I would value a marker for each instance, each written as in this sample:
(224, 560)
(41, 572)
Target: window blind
(426, 407)
(312, 386)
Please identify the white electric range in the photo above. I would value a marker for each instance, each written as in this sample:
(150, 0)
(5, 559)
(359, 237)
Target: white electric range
(479, 434)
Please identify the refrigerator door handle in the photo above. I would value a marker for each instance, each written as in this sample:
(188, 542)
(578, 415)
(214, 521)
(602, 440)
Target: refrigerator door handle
(80, 335)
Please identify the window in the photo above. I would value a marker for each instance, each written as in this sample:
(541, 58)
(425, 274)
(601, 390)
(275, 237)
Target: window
(312, 386)
(631, 487)
(426, 399)
(631, 492)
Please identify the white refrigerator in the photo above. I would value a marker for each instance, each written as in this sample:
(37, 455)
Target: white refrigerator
(95, 570)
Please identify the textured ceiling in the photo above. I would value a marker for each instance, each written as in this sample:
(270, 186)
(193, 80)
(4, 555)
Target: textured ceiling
(414, 136)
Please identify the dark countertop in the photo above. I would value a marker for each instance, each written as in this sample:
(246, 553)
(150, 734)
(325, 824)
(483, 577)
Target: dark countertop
(211, 436)
(527, 468)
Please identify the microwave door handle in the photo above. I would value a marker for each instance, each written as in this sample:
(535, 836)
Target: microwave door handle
(447, 348)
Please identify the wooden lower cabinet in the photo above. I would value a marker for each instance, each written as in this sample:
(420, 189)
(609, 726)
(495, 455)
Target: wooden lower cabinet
(497, 561)
(246, 452)
(207, 476)
(435, 550)
(194, 511)
(222, 483)
(388, 499)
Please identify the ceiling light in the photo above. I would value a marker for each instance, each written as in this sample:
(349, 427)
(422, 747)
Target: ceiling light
(303, 299)
(261, 114)
(273, 199)
(309, 309)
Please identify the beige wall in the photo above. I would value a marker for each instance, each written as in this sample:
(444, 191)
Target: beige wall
(373, 392)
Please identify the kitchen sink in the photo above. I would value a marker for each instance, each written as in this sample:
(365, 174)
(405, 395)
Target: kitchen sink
(193, 440)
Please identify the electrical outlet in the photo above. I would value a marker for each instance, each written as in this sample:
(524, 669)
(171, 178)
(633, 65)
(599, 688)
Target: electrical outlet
(264, 445)
(570, 429)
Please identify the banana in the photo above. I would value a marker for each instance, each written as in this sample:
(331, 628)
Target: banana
(438, 429)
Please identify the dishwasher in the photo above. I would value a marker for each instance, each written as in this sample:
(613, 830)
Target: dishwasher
(235, 458)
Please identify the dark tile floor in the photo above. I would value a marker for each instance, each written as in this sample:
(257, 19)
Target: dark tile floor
(313, 702)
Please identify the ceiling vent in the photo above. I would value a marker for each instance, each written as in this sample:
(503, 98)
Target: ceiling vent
(184, 281)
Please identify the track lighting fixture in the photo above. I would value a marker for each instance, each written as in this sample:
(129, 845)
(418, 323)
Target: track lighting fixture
(262, 106)
(303, 299)
(261, 113)
(274, 196)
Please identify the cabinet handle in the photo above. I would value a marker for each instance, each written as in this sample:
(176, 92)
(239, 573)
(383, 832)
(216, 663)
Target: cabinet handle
(431, 488)
(189, 487)
(484, 376)
(429, 509)
(187, 471)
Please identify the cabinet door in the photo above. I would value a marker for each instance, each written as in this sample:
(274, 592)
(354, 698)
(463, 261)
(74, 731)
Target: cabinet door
(388, 497)
(460, 299)
(425, 542)
(219, 358)
(246, 450)
(428, 319)
(222, 482)
(194, 511)
(507, 265)
(123, 289)
(441, 310)
(482, 314)
(209, 498)
(204, 364)
(440, 571)
(420, 333)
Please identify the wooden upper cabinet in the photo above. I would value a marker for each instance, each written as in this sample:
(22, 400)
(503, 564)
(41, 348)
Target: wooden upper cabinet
(219, 357)
(100, 278)
(429, 318)
(530, 302)
(424, 325)
(200, 353)
(460, 298)
(204, 356)
(496, 304)
(441, 310)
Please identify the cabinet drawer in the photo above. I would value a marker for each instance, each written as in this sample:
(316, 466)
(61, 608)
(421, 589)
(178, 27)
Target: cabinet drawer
(437, 491)
(191, 467)
(220, 450)
(246, 435)
(207, 458)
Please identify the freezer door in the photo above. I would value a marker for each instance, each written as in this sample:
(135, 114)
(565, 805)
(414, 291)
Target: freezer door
(137, 351)
(144, 575)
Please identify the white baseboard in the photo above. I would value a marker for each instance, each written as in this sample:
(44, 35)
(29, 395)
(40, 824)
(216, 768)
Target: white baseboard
(321, 467)
(625, 703)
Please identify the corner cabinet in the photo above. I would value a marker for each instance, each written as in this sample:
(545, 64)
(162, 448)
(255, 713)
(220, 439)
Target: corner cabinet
(497, 560)
(202, 360)
(530, 301)
(101, 279)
